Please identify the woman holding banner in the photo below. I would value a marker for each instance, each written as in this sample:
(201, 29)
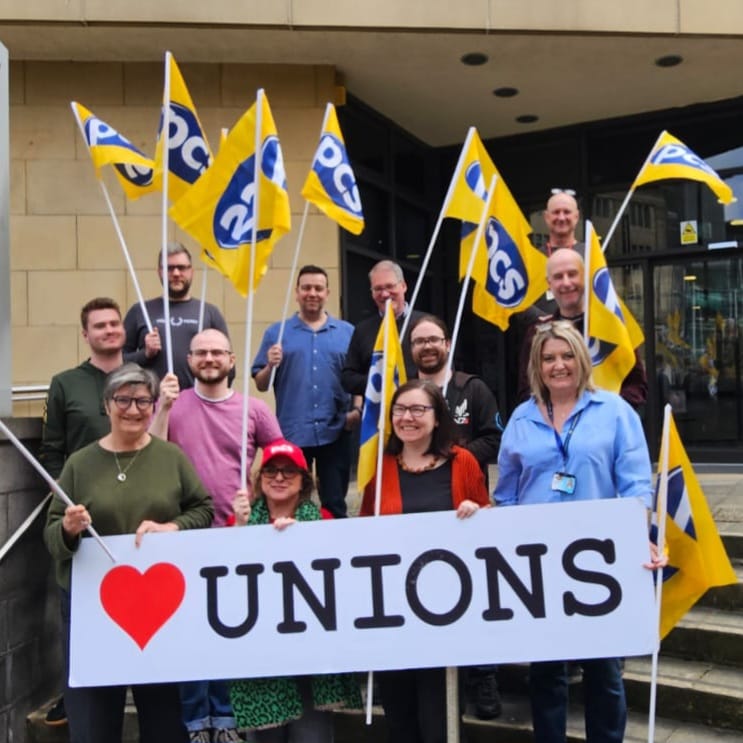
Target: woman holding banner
(127, 482)
(571, 442)
(422, 471)
(288, 709)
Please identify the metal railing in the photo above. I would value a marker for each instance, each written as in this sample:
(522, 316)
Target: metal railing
(26, 392)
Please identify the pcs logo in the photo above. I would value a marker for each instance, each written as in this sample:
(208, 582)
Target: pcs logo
(188, 154)
(507, 277)
(677, 154)
(100, 134)
(234, 215)
(474, 179)
(139, 175)
(604, 291)
(335, 174)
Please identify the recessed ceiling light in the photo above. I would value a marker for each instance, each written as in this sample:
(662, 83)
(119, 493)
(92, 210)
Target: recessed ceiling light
(669, 60)
(474, 59)
(690, 277)
(506, 92)
(527, 118)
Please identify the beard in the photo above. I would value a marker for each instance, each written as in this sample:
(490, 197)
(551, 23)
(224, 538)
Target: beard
(211, 375)
(179, 293)
(431, 364)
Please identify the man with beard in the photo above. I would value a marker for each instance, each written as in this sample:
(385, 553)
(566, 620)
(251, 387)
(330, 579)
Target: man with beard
(74, 415)
(314, 411)
(206, 422)
(146, 348)
(475, 413)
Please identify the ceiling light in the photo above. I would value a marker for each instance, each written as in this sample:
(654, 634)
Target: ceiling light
(669, 60)
(506, 92)
(474, 59)
(527, 118)
(690, 277)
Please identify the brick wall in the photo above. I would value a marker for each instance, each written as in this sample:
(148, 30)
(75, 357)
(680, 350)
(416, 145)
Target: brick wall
(30, 651)
(63, 246)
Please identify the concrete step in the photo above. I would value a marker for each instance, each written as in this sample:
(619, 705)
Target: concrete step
(732, 538)
(709, 634)
(727, 597)
(689, 691)
(514, 726)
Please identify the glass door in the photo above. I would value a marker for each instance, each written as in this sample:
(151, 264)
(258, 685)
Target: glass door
(698, 320)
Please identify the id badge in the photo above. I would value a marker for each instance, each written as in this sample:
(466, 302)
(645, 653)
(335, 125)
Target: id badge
(562, 482)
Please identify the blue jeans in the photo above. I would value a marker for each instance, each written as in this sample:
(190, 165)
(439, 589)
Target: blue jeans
(603, 690)
(333, 469)
(206, 704)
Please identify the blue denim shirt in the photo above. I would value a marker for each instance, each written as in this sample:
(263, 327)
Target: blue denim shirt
(311, 405)
(607, 454)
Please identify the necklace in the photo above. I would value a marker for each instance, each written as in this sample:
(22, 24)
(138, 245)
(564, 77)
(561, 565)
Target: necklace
(121, 477)
(416, 470)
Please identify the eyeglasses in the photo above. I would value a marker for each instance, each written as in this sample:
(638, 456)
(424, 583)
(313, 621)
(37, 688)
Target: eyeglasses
(568, 191)
(547, 327)
(387, 288)
(432, 340)
(202, 353)
(124, 402)
(182, 267)
(417, 411)
(272, 472)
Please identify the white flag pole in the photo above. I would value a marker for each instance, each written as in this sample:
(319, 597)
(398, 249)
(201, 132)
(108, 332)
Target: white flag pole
(452, 705)
(165, 159)
(117, 228)
(251, 292)
(587, 278)
(614, 224)
(203, 297)
(436, 230)
(661, 511)
(50, 481)
(468, 275)
(378, 480)
(290, 284)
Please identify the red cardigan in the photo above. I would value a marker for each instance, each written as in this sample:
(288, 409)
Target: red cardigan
(467, 483)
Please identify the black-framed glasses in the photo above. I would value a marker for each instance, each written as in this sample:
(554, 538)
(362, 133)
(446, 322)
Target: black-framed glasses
(432, 340)
(568, 191)
(272, 472)
(182, 267)
(417, 411)
(202, 353)
(124, 402)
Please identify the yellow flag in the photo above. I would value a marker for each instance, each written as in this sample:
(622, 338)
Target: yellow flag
(386, 364)
(671, 158)
(331, 184)
(697, 559)
(188, 151)
(609, 339)
(219, 209)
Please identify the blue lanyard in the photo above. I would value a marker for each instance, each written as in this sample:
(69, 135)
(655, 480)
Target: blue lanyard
(562, 446)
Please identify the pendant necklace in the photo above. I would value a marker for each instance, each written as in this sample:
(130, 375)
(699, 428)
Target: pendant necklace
(121, 477)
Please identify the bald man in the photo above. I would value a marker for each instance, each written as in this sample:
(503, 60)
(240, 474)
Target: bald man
(561, 217)
(566, 281)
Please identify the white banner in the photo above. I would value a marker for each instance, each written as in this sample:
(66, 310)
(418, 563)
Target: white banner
(507, 585)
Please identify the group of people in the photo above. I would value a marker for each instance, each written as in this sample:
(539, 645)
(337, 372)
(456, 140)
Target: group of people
(140, 450)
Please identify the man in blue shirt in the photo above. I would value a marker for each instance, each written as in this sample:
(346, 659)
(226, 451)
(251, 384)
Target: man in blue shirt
(313, 409)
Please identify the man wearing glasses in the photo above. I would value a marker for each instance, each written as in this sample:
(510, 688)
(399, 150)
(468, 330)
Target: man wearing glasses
(74, 415)
(206, 423)
(145, 348)
(387, 282)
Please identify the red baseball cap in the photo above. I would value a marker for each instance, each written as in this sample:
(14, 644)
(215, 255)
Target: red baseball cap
(284, 448)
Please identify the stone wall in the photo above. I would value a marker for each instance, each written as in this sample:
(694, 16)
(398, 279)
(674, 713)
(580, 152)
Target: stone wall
(30, 649)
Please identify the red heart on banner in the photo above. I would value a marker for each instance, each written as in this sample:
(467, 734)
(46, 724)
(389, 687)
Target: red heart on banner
(141, 603)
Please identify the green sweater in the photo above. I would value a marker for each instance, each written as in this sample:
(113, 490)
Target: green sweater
(74, 415)
(161, 485)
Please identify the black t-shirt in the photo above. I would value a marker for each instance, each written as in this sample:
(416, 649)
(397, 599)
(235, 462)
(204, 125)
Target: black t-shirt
(424, 492)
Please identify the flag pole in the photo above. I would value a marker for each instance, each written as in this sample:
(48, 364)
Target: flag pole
(51, 482)
(467, 277)
(117, 227)
(251, 289)
(587, 277)
(203, 298)
(165, 161)
(378, 479)
(452, 705)
(436, 230)
(285, 311)
(661, 510)
(614, 224)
